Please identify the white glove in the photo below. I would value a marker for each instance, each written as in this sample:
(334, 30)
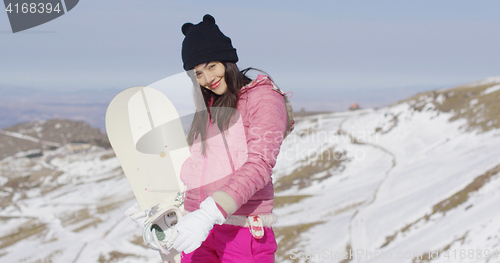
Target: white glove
(194, 227)
(137, 215)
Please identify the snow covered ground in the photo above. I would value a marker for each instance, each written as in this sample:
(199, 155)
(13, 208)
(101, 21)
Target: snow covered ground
(388, 185)
(420, 188)
(74, 216)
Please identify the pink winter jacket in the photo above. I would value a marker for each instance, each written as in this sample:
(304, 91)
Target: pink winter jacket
(253, 140)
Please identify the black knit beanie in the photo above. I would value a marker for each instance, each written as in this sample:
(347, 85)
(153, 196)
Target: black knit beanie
(205, 42)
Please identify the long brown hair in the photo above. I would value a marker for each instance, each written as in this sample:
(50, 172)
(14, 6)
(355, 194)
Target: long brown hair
(223, 106)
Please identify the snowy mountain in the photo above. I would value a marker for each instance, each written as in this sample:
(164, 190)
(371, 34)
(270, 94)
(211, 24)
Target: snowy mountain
(419, 177)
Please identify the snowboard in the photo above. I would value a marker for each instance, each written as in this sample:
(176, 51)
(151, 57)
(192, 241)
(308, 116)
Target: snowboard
(147, 137)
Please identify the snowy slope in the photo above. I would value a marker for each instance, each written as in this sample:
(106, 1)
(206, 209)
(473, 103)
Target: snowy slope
(72, 213)
(415, 183)
(417, 177)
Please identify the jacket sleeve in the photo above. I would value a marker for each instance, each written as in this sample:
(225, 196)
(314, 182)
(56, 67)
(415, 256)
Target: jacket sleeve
(266, 126)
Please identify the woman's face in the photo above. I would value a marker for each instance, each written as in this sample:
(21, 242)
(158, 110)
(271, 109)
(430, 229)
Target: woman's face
(211, 76)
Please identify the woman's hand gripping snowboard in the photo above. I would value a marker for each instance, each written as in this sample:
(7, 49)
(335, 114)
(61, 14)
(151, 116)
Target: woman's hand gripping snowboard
(156, 227)
(193, 228)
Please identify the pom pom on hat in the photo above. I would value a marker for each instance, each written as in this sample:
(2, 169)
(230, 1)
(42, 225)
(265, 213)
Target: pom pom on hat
(185, 28)
(209, 19)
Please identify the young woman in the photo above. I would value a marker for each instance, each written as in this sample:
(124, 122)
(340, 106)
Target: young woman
(234, 145)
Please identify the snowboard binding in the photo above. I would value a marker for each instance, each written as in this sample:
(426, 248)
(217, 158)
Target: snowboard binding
(159, 226)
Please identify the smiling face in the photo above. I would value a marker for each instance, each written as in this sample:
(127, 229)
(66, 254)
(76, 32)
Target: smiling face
(211, 76)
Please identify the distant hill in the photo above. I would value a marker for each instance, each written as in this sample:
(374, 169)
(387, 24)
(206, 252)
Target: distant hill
(19, 105)
(478, 103)
(40, 135)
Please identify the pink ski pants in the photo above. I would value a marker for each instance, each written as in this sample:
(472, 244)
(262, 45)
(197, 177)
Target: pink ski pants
(234, 244)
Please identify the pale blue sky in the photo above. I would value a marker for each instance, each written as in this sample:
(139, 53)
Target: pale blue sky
(313, 48)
